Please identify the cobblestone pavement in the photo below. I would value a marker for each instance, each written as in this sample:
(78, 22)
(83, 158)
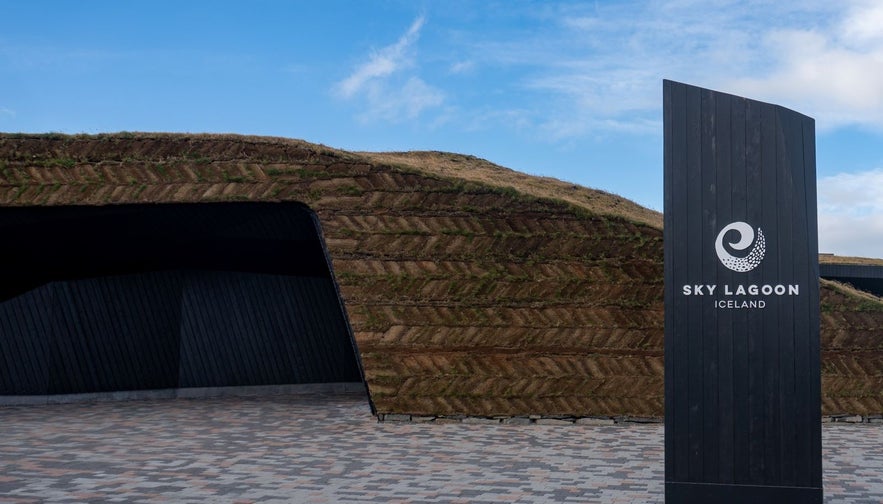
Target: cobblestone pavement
(316, 449)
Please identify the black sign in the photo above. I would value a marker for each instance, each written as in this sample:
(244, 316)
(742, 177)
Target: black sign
(742, 373)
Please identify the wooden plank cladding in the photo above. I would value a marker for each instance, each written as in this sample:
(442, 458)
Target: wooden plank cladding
(742, 344)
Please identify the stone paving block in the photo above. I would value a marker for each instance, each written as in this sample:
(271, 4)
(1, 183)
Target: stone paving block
(284, 449)
(393, 417)
(553, 421)
(447, 420)
(517, 421)
(480, 420)
(594, 421)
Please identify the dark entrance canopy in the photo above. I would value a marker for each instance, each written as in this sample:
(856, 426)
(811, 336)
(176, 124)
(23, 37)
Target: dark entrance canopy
(132, 297)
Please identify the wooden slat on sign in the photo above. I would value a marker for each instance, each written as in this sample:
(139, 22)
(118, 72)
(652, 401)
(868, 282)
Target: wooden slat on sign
(741, 341)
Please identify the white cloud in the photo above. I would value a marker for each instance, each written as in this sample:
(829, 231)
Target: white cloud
(861, 26)
(387, 91)
(582, 22)
(5, 112)
(461, 67)
(406, 102)
(593, 67)
(851, 214)
(616, 101)
(824, 59)
(596, 63)
(382, 63)
(823, 76)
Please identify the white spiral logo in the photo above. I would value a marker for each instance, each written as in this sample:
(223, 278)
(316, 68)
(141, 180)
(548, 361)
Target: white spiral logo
(746, 237)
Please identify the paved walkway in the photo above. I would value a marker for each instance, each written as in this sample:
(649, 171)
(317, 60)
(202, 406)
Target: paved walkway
(315, 449)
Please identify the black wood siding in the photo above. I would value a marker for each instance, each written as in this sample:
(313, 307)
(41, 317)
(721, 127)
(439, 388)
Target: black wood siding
(168, 296)
(742, 386)
(866, 277)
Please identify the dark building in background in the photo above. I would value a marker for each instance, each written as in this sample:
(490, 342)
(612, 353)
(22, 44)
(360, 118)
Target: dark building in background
(866, 277)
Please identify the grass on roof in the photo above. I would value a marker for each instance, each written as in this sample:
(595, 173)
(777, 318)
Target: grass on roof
(478, 170)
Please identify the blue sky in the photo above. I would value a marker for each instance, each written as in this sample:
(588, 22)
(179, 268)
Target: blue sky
(571, 90)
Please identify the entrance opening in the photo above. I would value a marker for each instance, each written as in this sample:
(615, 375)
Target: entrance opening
(138, 297)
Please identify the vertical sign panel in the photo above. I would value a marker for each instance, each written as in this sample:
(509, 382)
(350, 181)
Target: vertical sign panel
(742, 372)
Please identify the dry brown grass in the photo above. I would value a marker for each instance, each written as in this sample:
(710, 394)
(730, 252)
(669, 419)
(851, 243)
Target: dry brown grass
(475, 169)
(862, 261)
(866, 298)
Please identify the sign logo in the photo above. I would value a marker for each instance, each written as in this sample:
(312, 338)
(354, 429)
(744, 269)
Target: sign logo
(746, 238)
